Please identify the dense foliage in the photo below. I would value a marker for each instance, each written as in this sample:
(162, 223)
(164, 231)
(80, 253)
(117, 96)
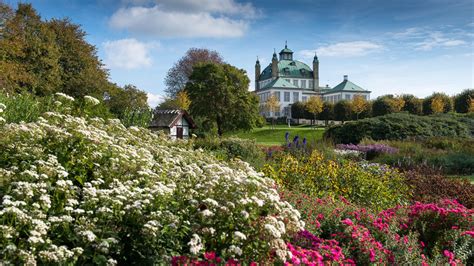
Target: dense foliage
(46, 57)
(370, 185)
(231, 148)
(464, 102)
(86, 190)
(401, 126)
(219, 96)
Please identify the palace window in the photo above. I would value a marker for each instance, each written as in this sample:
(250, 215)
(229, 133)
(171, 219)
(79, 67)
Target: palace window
(287, 96)
(277, 95)
(348, 96)
(286, 111)
(296, 96)
(303, 84)
(310, 83)
(304, 98)
(295, 82)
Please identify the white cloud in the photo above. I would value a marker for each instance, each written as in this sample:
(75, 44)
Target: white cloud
(127, 54)
(437, 39)
(344, 49)
(154, 99)
(185, 18)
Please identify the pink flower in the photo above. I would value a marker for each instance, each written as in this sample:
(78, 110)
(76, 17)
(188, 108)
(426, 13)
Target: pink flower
(348, 222)
(372, 255)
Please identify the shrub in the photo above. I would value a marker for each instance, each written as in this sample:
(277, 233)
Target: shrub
(401, 126)
(231, 148)
(89, 191)
(373, 185)
(417, 234)
(464, 102)
(429, 186)
(371, 151)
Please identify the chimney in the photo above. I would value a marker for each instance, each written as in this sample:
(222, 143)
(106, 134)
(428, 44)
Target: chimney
(345, 77)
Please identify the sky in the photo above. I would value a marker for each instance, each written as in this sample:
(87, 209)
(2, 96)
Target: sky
(386, 46)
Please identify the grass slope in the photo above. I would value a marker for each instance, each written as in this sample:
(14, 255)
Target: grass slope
(268, 136)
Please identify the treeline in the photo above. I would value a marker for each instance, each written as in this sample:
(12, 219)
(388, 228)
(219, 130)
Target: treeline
(44, 57)
(388, 104)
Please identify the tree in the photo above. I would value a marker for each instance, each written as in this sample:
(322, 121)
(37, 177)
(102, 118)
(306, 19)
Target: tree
(359, 105)
(126, 99)
(272, 105)
(437, 105)
(314, 105)
(463, 101)
(413, 105)
(183, 101)
(81, 71)
(219, 94)
(387, 104)
(443, 103)
(29, 55)
(327, 113)
(179, 74)
(298, 110)
(343, 110)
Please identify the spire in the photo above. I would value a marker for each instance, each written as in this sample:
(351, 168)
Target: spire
(274, 54)
(315, 59)
(258, 62)
(286, 44)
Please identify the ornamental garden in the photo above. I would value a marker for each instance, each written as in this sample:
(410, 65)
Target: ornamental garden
(83, 180)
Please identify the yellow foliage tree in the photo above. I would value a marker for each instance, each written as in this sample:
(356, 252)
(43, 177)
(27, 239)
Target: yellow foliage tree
(183, 101)
(359, 105)
(314, 105)
(437, 105)
(272, 105)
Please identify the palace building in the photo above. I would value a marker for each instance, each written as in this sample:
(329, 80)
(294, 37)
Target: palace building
(294, 81)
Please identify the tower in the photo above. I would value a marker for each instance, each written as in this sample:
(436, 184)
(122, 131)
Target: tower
(257, 74)
(315, 73)
(274, 65)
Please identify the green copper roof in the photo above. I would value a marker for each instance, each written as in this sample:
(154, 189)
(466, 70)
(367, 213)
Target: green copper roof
(279, 83)
(286, 50)
(347, 85)
(288, 69)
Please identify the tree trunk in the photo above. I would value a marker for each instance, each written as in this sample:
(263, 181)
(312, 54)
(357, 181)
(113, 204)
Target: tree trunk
(219, 126)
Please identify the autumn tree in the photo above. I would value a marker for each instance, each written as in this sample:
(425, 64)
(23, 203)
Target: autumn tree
(81, 71)
(179, 74)
(443, 104)
(183, 101)
(327, 113)
(29, 55)
(128, 98)
(387, 104)
(359, 105)
(219, 95)
(314, 105)
(272, 105)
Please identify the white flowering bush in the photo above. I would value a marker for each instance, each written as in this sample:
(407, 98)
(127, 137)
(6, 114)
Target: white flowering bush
(77, 190)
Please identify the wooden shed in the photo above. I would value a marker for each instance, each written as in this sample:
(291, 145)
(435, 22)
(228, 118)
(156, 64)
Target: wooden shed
(176, 123)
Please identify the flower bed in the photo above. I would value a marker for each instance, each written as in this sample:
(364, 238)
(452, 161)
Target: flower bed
(86, 191)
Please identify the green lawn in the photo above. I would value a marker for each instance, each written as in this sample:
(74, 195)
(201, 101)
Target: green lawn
(268, 136)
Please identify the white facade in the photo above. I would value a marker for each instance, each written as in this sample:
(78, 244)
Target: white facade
(181, 126)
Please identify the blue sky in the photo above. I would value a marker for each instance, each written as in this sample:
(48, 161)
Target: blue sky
(386, 46)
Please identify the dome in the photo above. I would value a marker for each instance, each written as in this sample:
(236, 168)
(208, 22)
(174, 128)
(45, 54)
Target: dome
(289, 69)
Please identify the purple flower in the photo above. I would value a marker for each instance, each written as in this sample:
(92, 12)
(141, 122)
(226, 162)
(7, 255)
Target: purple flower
(304, 141)
(287, 135)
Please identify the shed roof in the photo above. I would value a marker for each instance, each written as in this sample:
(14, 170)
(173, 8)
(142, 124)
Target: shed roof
(168, 118)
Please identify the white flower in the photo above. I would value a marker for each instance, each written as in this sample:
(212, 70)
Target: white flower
(64, 96)
(239, 236)
(235, 250)
(244, 214)
(91, 100)
(89, 235)
(207, 213)
(272, 230)
(195, 245)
